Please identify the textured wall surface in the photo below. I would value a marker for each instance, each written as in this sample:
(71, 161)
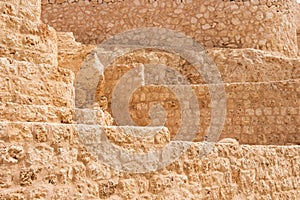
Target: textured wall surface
(260, 24)
(23, 36)
(261, 92)
(33, 88)
(298, 16)
(40, 161)
(42, 155)
(298, 25)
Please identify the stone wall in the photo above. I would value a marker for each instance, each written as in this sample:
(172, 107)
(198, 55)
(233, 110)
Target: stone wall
(23, 36)
(33, 87)
(43, 157)
(260, 24)
(42, 161)
(261, 93)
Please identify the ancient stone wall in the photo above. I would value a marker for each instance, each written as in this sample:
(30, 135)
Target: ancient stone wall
(260, 24)
(23, 36)
(46, 162)
(261, 94)
(33, 88)
(43, 157)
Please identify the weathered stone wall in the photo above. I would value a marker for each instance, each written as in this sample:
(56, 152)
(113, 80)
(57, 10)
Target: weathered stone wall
(32, 87)
(42, 157)
(261, 94)
(35, 93)
(23, 36)
(260, 24)
(40, 161)
(71, 54)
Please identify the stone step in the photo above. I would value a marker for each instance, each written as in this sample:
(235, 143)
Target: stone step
(133, 134)
(34, 113)
(26, 83)
(54, 159)
(92, 117)
(132, 138)
(30, 71)
(38, 132)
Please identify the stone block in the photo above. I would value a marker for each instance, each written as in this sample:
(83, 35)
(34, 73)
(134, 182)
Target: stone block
(12, 154)
(6, 178)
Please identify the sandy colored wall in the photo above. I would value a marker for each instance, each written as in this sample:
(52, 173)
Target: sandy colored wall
(267, 116)
(261, 94)
(33, 88)
(259, 24)
(41, 161)
(42, 156)
(23, 36)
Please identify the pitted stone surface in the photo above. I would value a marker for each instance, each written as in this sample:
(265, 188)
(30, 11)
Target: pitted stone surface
(260, 24)
(60, 163)
(42, 157)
